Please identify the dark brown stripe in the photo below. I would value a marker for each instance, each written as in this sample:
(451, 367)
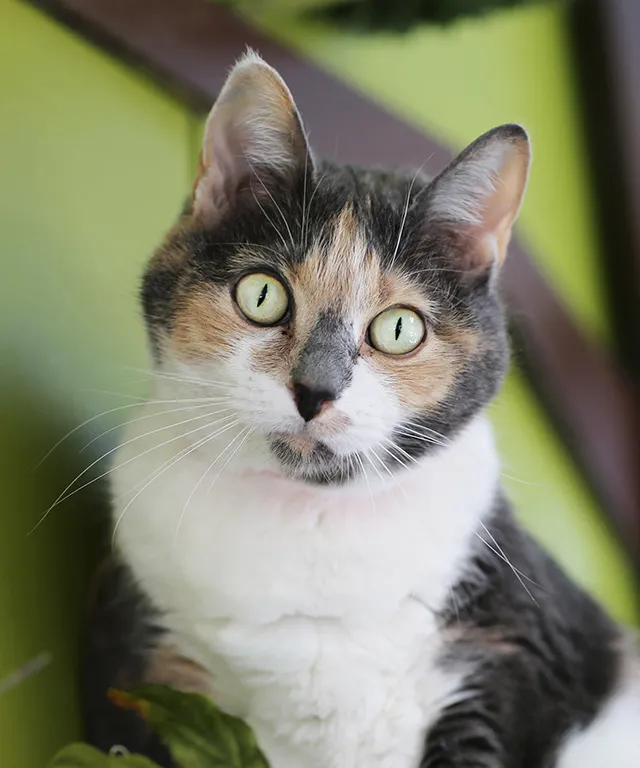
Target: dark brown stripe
(606, 47)
(189, 46)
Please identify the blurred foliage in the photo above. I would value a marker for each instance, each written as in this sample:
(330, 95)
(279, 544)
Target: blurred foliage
(381, 15)
(197, 733)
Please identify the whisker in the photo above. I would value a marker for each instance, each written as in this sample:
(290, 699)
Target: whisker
(429, 431)
(404, 216)
(229, 458)
(454, 599)
(313, 194)
(182, 452)
(67, 493)
(408, 432)
(179, 377)
(150, 416)
(404, 453)
(503, 553)
(253, 245)
(93, 418)
(273, 200)
(374, 467)
(304, 198)
(393, 456)
(520, 480)
(269, 219)
(163, 468)
(366, 479)
(202, 477)
(520, 576)
(143, 400)
(389, 472)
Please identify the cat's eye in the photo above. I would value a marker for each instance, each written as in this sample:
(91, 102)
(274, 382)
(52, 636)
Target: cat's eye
(262, 298)
(397, 331)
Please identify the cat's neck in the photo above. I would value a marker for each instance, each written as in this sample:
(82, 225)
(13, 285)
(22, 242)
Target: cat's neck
(261, 547)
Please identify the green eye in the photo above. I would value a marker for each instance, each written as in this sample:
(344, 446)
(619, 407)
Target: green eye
(397, 331)
(262, 298)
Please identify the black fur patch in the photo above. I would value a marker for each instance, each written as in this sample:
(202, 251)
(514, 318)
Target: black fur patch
(545, 657)
(121, 630)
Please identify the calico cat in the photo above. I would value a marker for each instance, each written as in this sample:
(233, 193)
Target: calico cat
(308, 521)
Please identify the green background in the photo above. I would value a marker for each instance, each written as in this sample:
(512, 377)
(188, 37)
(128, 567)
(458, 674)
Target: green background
(95, 163)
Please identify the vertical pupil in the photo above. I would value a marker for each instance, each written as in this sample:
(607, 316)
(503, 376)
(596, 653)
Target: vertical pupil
(263, 294)
(398, 328)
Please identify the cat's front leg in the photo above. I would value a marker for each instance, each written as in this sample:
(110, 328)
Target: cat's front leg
(495, 720)
(468, 734)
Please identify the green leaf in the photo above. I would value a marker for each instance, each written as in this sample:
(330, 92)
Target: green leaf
(84, 756)
(198, 734)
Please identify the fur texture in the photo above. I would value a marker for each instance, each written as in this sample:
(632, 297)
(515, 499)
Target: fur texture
(312, 530)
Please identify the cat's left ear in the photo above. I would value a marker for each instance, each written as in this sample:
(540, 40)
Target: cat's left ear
(253, 141)
(476, 199)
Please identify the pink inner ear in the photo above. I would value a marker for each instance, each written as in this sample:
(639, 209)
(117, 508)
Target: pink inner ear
(500, 207)
(252, 130)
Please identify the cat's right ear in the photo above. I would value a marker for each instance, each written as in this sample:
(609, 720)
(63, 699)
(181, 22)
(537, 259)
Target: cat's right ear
(475, 201)
(253, 141)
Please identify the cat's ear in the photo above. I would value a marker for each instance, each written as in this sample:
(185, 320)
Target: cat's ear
(476, 199)
(253, 140)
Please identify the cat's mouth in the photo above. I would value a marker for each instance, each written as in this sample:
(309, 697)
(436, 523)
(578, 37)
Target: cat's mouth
(307, 458)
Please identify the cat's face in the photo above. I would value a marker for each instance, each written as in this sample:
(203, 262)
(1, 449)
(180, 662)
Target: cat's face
(344, 319)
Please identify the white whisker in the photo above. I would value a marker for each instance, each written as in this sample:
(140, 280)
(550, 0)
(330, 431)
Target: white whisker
(408, 432)
(304, 198)
(179, 378)
(366, 479)
(67, 493)
(374, 467)
(454, 600)
(404, 217)
(202, 477)
(500, 553)
(163, 468)
(434, 433)
(273, 200)
(269, 219)
(389, 472)
(144, 401)
(404, 453)
(230, 457)
(149, 416)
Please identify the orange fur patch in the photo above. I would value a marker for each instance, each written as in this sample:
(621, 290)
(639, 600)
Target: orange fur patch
(206, 326)
(343, 274)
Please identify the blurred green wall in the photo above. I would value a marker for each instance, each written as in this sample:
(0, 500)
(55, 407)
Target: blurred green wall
(95, 163)
(94, 166)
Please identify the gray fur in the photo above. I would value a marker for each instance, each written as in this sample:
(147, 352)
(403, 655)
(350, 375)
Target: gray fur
(327, 359)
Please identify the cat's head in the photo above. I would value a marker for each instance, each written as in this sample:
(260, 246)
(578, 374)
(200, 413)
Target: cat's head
(343, 318)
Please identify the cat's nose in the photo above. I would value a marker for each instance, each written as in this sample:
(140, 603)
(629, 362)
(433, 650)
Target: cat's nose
(310, 400)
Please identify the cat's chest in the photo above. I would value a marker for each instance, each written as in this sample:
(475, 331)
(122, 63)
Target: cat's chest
(329, 693)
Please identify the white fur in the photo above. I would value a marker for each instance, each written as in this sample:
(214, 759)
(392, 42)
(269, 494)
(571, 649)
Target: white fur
(613, 739)
(312, 607)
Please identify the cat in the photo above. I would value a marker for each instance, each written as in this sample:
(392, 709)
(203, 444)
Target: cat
(308, 521)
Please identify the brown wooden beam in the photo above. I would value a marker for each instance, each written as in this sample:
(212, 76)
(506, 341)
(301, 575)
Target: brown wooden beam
(606, 47)
(189, 46)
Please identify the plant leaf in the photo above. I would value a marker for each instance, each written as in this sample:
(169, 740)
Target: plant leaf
(84, 756)
(198, 734)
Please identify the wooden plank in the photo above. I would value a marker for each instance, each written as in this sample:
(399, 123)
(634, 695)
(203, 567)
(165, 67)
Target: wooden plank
(606, 48)
(189, 46)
